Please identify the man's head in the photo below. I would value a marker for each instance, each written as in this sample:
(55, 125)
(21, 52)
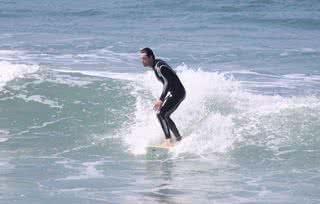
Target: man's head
(147, 57)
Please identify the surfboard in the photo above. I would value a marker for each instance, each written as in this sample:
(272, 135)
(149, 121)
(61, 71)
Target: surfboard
(158, 149)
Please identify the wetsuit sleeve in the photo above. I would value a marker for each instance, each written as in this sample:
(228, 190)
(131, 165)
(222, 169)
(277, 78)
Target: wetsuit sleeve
(168, 79)
(158, 77)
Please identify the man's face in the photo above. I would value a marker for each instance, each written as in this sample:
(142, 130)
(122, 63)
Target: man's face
(146, 61)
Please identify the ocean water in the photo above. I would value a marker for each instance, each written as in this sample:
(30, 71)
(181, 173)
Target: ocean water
(76, 103)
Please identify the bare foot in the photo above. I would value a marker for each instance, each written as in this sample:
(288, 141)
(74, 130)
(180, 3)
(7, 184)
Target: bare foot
(167, 143)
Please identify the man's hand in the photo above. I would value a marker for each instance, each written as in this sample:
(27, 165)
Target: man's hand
(157, 104)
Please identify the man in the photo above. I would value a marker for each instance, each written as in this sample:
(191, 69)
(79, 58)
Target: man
(173, 93)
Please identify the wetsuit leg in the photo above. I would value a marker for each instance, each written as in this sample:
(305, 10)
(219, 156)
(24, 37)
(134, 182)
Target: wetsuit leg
(167, 124)
(164, 125)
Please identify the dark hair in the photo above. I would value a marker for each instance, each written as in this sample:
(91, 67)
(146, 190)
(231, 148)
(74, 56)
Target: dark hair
(148, 51)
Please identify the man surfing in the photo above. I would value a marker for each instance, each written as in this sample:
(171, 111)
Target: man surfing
(173, 93)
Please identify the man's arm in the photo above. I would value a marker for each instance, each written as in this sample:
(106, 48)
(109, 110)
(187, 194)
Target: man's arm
(168, 79)
(158, 77)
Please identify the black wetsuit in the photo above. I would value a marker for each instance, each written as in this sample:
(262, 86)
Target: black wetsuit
(171, 83)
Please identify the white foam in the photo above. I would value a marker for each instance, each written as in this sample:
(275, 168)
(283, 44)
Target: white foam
(195, 110)
(9, 52)
(303, 77)
(304, 50)
(64, 76)
(213, 134)
(40, 99)
(7, 55)
(308, 50)
(4, 136)
(10, 71)
(106, 74)
(209, 117)
(4, 139)
(88, 171)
